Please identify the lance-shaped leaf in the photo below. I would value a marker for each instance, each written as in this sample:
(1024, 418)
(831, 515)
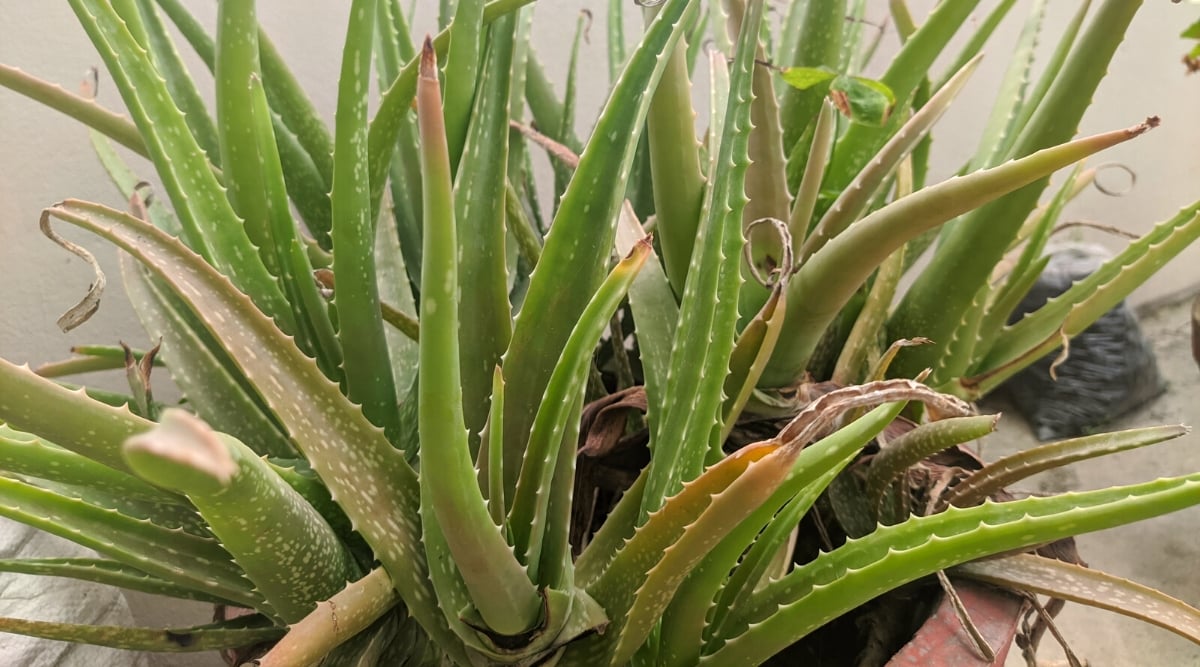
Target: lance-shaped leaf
(369, 379)
(1075, 583)
(81, 108)
(528, 518)
(396, 102)
(80, 424)
(831, 276)
(499, 586)
(210, 225)
(366, 475)
(479, 187)
(1074, 310)
(924, 440)
(809, 188)
(1011, 469)
(245, 631)
(678, 180)
(28, 455)
(704, 338)
(107, 572)
(840, 580)
(577, 248)
(460, 74)
(179, 557)
(285, 547)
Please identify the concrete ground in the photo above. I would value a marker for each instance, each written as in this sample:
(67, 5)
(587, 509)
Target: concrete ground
(1162, 552)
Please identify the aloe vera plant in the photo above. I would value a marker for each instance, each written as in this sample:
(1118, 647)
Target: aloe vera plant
(378, 459)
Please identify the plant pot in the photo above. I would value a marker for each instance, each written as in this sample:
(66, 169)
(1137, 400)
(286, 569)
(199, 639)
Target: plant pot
(943, 641)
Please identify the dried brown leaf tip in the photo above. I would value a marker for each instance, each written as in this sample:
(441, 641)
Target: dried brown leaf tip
(428, 59)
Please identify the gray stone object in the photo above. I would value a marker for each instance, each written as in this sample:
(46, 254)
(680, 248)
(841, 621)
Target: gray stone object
(1110, 370)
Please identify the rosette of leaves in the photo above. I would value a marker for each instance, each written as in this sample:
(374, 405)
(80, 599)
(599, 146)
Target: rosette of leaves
(377, 458)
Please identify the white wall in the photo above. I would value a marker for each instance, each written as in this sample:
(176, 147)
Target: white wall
(46, 157)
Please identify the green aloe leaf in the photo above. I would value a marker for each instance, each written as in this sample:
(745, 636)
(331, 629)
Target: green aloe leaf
(840, 580)
(530, 506)
(181, 558)
(480, 181)
(81, 108)
(498, 584)
(461, 74)
(688, 432)
(285, 547)
(246, 631)
(1073, 311)
(107, 572)
(1009, 470)
(356, 299)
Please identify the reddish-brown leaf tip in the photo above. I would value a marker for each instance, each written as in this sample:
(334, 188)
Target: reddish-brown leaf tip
(428, 59)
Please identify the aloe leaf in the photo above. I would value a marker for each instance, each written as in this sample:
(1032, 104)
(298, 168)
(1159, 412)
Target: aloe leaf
(838, 581)
(396, 102)
(315, 331)
(528, 516)
(360, 326)
(327, 428)
(855, 199)
(863, 336)
(107, 572)
(982, 32)
(1010, 94)
(1075, 583)
(236, 62)
(498, 584)
(1011, 469)
(704, 337)
(89, 359)
(83, 109)
(809, 188)
(202, 370)
(493, 445)
(914, 446)
(854, 254)
(23, 399)
(29, 455)
(240, 632)
(576, 250)
(1074, 310)
(222, 477)
(544, 104)
(479, 185)
(655, 314)
(210, 225)
(749, 357)
(335, 620)
(179, 81)
(1027, 270)
(968, 253)
(181, 558)
(678, 181)
(615, 38)
(460, 74)
(1053, 68)
(396, 304)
